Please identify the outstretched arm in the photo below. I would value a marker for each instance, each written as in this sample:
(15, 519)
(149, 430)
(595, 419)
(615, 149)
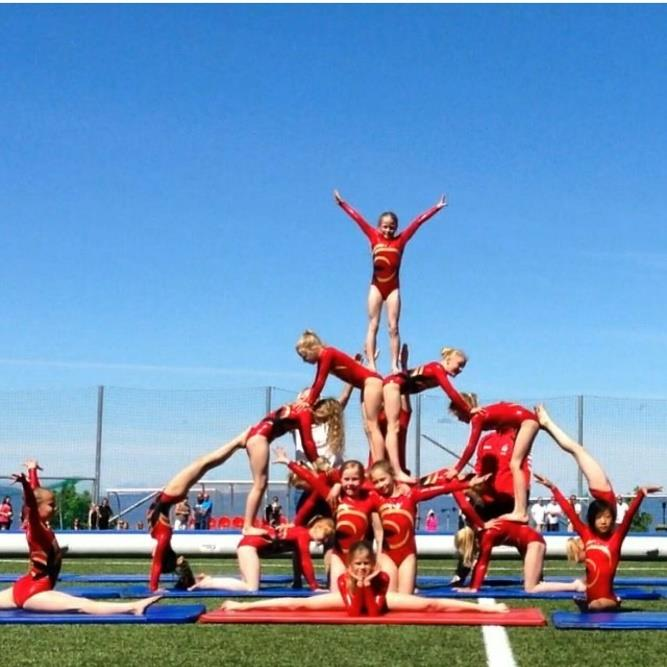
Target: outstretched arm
(634, 506)
(569, 511)
(365, 227)
(410, 230)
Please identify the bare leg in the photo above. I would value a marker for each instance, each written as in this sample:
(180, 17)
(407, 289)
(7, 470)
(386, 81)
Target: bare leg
(7, 599)
(258, 454)
(372, 407)
(522, 446)
(57, 601)
(592, 470)
(393, 316)
(533, 563)
(323, 602)
(603, 604)
(407, 575)
(388, 566)
(392, 408)
(249, 566)
(402, 602)
(337, 568)
(374, 313)
(204, 581)
(181, 483)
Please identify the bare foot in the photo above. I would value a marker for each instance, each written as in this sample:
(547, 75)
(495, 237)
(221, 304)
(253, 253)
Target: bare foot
(493, 607)
(464, 589)
(403, 478)
(255, 531)
(140, 606)
(232, 605)
(515, 517)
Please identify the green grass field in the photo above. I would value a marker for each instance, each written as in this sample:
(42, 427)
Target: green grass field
(324, 645)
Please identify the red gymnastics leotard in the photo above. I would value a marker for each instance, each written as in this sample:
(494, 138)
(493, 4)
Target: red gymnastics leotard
(288, 418)
(387, 253)
(366, 600)
(313, 504)
(425, 377)
(164, 557)
(45, 554)
(495, 416)
(343, 367)
(296, 538)
(603, 552)
(398, 515)
(352, 515)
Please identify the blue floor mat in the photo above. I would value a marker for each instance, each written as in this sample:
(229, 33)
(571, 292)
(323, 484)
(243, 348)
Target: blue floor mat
(155, 614)
(516, 592)
(616, 620)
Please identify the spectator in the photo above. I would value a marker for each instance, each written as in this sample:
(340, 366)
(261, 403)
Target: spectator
(621, 508)
(140, 525)
(76, 524)
(93, 516)
(182, 515)
(431, 522)
(6, 513)
(576, 506)
(104, 515)
(273, 512)
(199, 512)
(553, 512)
(537, 514)
(207, 511)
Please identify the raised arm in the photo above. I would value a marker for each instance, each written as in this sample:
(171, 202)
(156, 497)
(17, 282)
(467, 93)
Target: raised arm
(323, 368)
(318, 485)
(32, 467)
(569, 511)
(364, 225)
(410, 230)
(421, 493)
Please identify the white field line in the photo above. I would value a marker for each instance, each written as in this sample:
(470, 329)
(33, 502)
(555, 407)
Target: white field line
(497, 644)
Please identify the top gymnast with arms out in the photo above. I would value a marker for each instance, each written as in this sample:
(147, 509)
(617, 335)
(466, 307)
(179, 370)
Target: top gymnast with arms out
(387, 248)
(599, 543)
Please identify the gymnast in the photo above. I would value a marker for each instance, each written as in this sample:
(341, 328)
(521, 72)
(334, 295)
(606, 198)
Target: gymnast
(387, 249)
(35, 590)
(600, 540)
(164, 558)
(355, 507)
(414, 381)
(294, 416)
(397, 506)
(501, 415)
(278, 541)
(363, 590)
(330, 360)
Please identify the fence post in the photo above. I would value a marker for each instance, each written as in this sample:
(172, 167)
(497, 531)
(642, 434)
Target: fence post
(580, 439)
(418, 436)
(268, 400)
(98, 443)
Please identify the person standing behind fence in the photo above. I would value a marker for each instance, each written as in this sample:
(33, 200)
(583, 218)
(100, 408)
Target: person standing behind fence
(6, 513)
(537, 513)
(576, 506)
(207, 511)
(104, 515)
(622, 508)
(199, 512)
(553, 512)
(93, 516)
(182, 515)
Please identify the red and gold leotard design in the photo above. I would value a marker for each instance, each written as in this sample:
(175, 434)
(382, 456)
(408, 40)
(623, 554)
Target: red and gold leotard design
(425, 377)
(286, 418)
(492, 417)
(398, 515)
(603, 552)
(296, 538)
(45, 554)
(387, 253)
(366, 600)
(343, 366)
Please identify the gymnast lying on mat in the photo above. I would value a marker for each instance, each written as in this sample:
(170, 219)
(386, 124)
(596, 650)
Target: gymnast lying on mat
(34, 591)
(363, 591)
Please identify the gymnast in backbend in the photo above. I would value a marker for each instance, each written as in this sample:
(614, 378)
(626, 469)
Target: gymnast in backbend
(387, 248)
(363, 590)
(600, 540)
(35, 590)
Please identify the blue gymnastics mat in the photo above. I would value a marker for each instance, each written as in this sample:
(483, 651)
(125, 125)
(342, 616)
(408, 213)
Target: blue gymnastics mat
(613, 620)
(94, 578)
(517, 592)
(270, 592)
(442, 582)
(156, 614)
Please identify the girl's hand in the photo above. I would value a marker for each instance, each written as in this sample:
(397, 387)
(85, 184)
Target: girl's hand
(477, 480)
(650, 489)
(31, 464)
(543, 480)
(543, 416)
(280, 456)
(19, 478)
(334, 494)
(442, 202)
(451, 474)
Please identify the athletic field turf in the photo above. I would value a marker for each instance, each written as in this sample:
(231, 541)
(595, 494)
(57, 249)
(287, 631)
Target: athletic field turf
(326, 645)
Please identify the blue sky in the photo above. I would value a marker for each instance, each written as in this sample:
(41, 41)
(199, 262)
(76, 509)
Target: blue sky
(166, 177)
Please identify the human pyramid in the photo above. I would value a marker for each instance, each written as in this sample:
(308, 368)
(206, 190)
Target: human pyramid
(343, 505)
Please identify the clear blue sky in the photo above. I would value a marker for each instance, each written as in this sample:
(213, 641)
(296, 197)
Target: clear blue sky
(166, 177)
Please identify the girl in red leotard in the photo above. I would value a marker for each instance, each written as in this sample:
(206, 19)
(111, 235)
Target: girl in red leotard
(387, 248)
(414, 381)
(329, 360)
(355, 511)
(492, 417)
(363, 590)
(600, 541)
(397, 506)
(34, 591)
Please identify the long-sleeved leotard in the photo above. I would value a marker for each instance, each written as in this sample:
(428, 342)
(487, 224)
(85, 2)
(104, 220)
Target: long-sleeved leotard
(398, 515)
(45, 554)
(495, 416)
(603, 552)
(311, 503)
(352, 515)
(285, 419)
(425, 377)
(387, 253)
(295, 539)
(365, 600)
(343, 366)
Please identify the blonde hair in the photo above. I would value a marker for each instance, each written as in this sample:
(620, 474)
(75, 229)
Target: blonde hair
(330, 411)
(308, 340)
(447, 352)
(383, 466)
(465, 542)
(469, 397)
(573, 548)
(325, 524)
(319, 465)
(43, 495)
